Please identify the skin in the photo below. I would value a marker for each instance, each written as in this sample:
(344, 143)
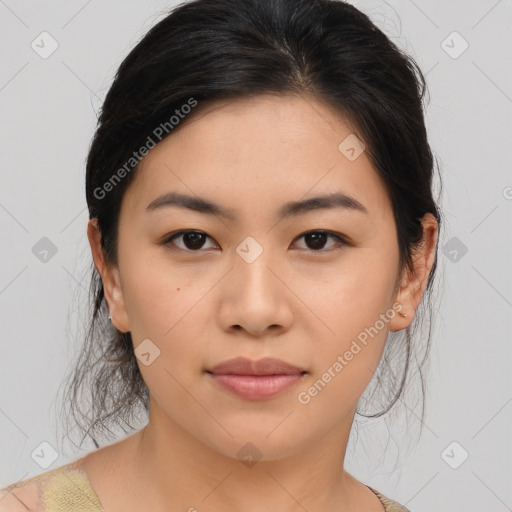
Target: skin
(201, 308)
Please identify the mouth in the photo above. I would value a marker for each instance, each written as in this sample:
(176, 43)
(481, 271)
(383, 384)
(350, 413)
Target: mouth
(255, 380)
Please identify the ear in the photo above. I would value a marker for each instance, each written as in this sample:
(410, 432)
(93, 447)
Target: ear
(413, 284)
(110, 278)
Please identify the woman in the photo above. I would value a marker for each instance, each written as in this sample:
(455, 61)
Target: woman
(261, 218)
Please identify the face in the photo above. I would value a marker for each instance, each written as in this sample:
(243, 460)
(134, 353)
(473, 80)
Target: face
(313, 286)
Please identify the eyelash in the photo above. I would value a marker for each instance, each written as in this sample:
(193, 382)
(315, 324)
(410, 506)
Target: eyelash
(341, 240)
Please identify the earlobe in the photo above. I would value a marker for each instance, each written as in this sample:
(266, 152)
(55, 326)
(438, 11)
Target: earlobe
(414, 282)
(115, 299)
(110, 279)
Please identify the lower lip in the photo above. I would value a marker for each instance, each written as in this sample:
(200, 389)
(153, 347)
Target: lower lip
(256, 387)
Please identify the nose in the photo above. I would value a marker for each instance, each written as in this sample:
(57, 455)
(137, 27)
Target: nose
(255, 297)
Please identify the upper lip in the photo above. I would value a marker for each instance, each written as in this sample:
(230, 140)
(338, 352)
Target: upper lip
(265, 366)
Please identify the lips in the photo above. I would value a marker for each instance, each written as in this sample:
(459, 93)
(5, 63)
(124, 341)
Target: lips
(255, 380)
(265, 366)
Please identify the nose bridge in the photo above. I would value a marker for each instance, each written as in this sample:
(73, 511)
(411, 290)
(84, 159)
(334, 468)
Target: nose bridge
(253, 262)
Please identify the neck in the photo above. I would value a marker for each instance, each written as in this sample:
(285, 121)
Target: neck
(182, 470)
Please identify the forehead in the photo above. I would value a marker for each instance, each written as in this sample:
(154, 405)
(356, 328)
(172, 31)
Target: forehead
(261, 150)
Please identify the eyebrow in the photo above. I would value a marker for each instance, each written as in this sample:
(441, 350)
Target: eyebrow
(291, 209)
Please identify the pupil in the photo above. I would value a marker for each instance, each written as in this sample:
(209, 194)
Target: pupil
(195, 239)
(317, 238)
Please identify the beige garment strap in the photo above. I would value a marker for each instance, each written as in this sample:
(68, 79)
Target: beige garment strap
(389, 504)
(65, 489)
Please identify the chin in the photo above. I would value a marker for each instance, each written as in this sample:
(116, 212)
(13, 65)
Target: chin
(252, 445)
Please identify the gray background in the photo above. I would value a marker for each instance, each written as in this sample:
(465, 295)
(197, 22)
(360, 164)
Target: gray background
(48, 113)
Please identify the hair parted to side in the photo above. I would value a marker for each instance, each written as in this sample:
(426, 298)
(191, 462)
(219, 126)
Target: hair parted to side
(228, 49)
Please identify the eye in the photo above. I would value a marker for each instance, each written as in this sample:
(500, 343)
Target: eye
(193, 241)
(317, 239)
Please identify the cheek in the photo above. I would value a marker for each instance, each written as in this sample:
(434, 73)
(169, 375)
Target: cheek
(354, 306)
(344, 362)
(353, 296)
(168, 311)
(170, 308)
(158, 295)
